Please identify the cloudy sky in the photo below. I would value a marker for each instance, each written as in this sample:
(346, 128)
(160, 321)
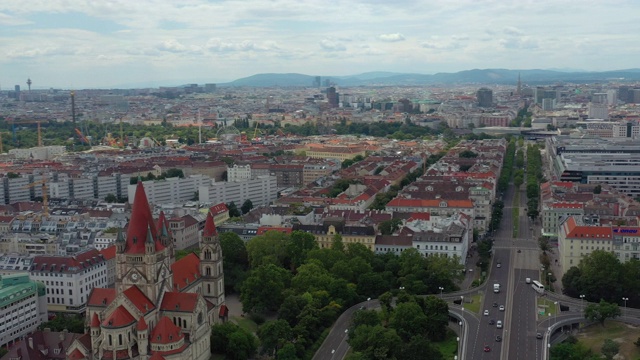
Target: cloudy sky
(105, 43)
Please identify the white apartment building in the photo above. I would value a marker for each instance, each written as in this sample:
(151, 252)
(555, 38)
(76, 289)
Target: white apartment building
(261, 191)
(448, 236)
(23, 307)
(171, 190)
(70, 279)
(186, 231)
(238, 173)
(104, 240)
(39, 153)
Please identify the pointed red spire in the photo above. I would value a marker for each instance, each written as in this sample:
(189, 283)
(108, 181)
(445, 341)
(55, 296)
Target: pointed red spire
(209, 227)
(95, 321)
(163, 226)
(141, 222)
(142, 325)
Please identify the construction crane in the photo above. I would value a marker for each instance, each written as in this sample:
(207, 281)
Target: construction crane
(82, 137)
(17, 121)
(45, 195)
(255, 132)
(1, 149)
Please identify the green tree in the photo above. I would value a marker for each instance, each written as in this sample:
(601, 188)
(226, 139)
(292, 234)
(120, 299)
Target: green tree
(419, 348)
(298, 246)
(602, 311)
(242, 345)
(246, 206)
(274, 335)
(601, 276)
(174, 173)
(375, 342)
(408, 320)
(388, 227)
(610, 349)
(73, 323)
(437, 312)
(236, 260)
(287, 352)
(467, 154)
(233, 210)
(263, 289)
(110, 198)
(268, 248)
(597, 189)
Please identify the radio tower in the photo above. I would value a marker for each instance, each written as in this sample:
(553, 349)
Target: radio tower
(29, 84)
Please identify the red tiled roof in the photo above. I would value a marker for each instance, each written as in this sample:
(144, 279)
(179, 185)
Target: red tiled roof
(185, 271)
(142, 324)
(263, 229)
(101, 297)
(209, 227)
(565, 205)
(165, 332)
(176, 301)
(432, 203)
(218, 209)
(67, 264)
(139, 299)
(95, 321)
(109, 252)
(420, 216)
(141, 224)
(575, 231)
(76, 355)
(118, 318)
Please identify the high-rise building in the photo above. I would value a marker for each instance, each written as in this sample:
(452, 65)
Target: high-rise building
(317, 81)
(598, 111)
(209, 88)
(160, 308)
(519, 88)
(332, 97)
(17, 92)
(623, 93)
(485, 97)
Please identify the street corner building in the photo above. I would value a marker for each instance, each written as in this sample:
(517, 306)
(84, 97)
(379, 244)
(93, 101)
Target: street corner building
(160, 308)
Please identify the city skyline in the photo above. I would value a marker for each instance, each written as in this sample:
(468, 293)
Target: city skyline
(75, 44)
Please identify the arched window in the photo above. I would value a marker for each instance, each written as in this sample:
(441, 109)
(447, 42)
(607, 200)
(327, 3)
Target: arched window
(119, 339)
(207, 255)
(208, 271)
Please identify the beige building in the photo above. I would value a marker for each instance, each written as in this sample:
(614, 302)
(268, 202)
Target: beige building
(325, 234)
(334, 152)
(27, 244)
(577, 240)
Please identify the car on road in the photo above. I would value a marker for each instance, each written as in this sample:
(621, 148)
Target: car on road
(501, 308)
(499, 265)
(487, 348)
(492, 322)
(498, 338)
(499, 324)
(539, 336)
(486, 313)
(495, 304)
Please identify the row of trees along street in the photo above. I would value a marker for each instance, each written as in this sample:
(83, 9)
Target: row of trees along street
(302, 289)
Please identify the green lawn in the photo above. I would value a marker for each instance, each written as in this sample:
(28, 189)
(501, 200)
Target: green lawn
(245, 323)
(474, 306)
(548, 305)
(449, 347)
(624, 334)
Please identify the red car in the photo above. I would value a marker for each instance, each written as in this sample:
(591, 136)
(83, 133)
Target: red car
(487, 348)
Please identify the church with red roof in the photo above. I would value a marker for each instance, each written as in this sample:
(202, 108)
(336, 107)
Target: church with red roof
(160, 308)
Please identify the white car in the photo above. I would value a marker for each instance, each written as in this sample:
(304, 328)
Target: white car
(499, 324)
(501, 307)
(486, 313)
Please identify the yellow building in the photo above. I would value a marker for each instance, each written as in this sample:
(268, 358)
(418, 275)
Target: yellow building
(326, 234)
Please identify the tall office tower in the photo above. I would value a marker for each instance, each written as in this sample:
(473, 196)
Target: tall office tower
(634, 96)
(599, 98)
(548, 104)
(332, 97)
(612, 96)
(519, 89)
(485, 97)
(623, 93)
(317, 81)
(17, 91)
(327, 82)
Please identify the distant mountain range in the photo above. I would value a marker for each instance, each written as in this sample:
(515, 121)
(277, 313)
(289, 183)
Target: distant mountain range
(476, 76)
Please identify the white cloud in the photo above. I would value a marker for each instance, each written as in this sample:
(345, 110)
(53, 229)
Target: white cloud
(391, 37)
(331, 45)
(8, 20)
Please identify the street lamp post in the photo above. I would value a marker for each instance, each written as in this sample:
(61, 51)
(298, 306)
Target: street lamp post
(368, 299)
(441, 289)
(555, 312)
(582, 301)
(549, 280)
(625, 299)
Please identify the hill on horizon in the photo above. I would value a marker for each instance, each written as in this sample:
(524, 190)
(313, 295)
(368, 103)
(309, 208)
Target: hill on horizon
(474, 76)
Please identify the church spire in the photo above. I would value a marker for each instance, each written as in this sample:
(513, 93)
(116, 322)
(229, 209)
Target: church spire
(209, 227)
(141, 225)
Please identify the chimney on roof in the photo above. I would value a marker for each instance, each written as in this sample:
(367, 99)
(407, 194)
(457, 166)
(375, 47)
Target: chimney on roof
(62, 334)
(30, 342)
